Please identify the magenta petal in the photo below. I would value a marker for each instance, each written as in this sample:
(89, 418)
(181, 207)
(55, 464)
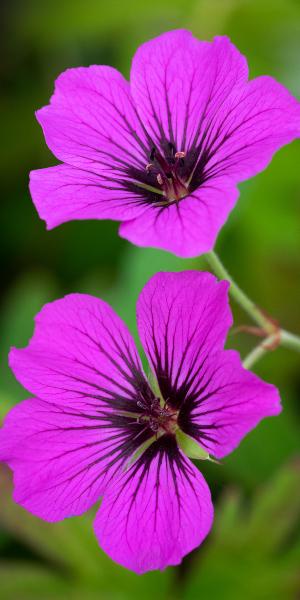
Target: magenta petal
(92, 125)
(62, 458)
(179, 83)
(81, 352)
(164, 153)
(182, 317)
(187, 228)
(66, 446)
(65, 193)
(253, 124)
(157, 512)
(195, 94)
(91, 122)
(226, 403)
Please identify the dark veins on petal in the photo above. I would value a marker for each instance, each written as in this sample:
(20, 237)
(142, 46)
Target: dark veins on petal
(128, 420)
(124, 410)
(162, 173)
(165, 170)
(169, 175)
(165, 448)
(125, 425)
(184, 395)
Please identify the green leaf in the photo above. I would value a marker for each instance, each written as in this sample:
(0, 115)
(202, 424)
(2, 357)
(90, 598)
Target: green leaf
(71, 550)
(248, 545)
(28, 581)
(21, 304)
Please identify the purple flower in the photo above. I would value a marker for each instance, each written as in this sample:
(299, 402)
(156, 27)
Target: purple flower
(96, 426)
(164, 153)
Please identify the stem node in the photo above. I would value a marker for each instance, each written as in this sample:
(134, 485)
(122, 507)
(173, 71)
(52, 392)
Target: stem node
(268, 327)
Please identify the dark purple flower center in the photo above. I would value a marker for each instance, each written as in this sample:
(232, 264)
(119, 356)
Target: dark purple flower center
(158, 415)
(169, 173)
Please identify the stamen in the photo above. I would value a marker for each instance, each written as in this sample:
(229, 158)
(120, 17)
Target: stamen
(158, 417)
(169, 174)
(142, 404)
(154, 424)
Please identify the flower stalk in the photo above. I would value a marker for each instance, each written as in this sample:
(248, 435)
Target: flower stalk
(274, 335)
(258, 352)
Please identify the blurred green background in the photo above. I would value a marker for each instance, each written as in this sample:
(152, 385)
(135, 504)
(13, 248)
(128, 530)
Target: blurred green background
(253, 551)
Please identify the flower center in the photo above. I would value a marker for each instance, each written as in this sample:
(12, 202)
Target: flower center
(160, 417)
(169, 173)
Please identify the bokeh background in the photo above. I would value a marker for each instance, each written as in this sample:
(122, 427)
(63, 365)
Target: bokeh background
(253, 551)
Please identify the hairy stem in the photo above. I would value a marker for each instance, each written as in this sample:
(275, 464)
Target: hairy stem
(274, 335)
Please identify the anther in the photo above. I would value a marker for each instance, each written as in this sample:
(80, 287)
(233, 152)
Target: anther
(141, 404)
(148, 167)
(154, 425)
(159, 179)
(180, 155)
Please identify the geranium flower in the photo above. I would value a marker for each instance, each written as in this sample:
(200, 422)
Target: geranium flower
(96, 426)
(164, 153)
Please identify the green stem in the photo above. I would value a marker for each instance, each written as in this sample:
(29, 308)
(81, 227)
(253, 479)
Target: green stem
(289, 340)
(283, 338)
(256, 354)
